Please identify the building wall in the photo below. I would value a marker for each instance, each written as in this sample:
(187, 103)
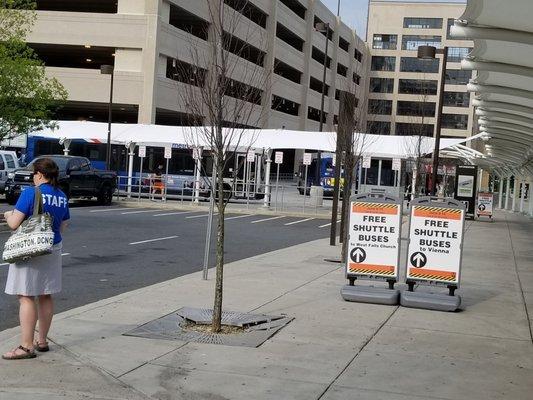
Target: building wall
(139, 38)
(387, 18)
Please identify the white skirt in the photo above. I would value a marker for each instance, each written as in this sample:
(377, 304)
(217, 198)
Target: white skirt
(36, 276)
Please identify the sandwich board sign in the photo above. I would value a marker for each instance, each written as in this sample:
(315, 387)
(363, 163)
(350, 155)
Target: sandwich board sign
(374, 237)
(484, 204)
(435, 242)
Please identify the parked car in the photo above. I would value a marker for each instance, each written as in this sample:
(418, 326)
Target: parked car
(77, 179)
(8, 164)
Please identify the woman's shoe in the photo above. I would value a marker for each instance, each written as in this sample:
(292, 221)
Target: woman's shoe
(12, 355)
(41, 347)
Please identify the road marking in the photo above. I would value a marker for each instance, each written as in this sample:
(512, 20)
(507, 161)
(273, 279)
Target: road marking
(297, 222)
(154, 240)
(238, 216)
(137, 212)
(63, 254)
(173, 213)
(323, 226)
(199, 216)
(267, 219)
(106, 210)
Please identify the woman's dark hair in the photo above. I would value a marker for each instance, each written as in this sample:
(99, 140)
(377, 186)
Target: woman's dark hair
(48, 168)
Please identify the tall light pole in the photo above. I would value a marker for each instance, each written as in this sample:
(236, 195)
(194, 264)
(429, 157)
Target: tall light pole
(428, 53)
(322, 27)
(109, 70)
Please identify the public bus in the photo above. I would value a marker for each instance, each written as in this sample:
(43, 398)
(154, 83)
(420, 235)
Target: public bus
(242, 179)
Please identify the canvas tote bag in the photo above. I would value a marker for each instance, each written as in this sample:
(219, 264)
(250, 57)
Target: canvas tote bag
(34, 237)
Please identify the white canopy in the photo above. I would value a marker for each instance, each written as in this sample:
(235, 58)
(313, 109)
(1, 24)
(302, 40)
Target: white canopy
(258, 139)
(502, 32)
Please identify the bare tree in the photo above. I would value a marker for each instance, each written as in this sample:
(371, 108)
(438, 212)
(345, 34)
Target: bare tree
(223, 84)
(415, 147)
(352, 143)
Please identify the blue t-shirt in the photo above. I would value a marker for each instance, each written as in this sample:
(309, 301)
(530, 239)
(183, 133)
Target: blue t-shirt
(54, 202)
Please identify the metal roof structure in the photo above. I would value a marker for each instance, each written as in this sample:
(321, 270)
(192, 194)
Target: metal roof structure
(502, 32)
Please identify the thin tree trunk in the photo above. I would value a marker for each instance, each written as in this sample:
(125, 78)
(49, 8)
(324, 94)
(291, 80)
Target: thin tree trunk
(217, 308)
(347, 192)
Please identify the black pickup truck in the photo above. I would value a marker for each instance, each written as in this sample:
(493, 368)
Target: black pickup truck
(77, 179)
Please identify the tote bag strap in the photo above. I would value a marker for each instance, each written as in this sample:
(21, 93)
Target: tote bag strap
(37, 202)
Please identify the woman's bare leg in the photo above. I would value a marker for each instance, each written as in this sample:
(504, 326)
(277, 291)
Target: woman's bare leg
(46, 313)
(28, 319)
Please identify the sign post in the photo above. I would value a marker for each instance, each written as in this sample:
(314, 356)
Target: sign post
(142, 154)
(373, 248)
(250, 158)
(466, 187)
(278, 160)
(434, 252)
(485, 202)
(307, 163)
(168, 156)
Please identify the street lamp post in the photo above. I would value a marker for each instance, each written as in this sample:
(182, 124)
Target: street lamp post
(108, 70)
(322, 27)
(428, 53)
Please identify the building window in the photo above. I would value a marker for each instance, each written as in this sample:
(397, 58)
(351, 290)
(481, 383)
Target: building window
(295, 7)
(450, 23)
(412, 42)
(316, 85)
(454, 121)
(344, 44)
(381, 85)
(289, 37)
(329, 31)
(380, 63)
(406, 129)
(284, 105)
(413, 64)
(456, 99)
(417, 86)
(243, 49)
(456, 54)
(188, 22)
(356, 78)
(385, 42)
(318, 56)
(358, 55)
(104, 7)
(286, 71)
(416, 108)
(457, 77)
(342, 70)
(186, 73)
(314, 115)
(422, 23)
(250, 11)
(381, 107)
(378, 127)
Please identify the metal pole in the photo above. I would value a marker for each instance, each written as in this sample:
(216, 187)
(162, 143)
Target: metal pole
(438, 125)
(209, 222)
(500, 190)
(248, 173)
(140, 177)
(109, 118)
(305, 186)
(131, 149)
(322, 99)
(197, 165)
(166, 182)
(266, 202)
(277, 187)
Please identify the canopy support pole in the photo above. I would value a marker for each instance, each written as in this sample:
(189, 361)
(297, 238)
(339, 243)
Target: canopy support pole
(131, 154)
(500, 194)
(266, 200)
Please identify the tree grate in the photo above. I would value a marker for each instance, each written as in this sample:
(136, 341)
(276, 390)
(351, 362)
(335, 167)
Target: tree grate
(257, 328)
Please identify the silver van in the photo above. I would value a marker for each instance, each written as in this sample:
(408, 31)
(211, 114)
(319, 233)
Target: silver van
(8, 163)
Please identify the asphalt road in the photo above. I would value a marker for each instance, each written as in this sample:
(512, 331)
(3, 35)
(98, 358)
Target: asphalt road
(112, 250)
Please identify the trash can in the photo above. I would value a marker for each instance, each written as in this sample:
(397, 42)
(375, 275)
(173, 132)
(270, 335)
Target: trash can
(317, 196)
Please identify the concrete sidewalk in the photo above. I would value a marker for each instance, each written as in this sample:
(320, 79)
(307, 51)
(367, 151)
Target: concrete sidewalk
(332, 350)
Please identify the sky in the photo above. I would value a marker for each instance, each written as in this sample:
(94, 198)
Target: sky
(354, 12)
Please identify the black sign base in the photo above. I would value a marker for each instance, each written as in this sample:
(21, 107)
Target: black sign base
(430, 301)
(370, 294)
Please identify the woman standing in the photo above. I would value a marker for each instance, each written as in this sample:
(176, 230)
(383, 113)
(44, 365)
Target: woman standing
(40, 276)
